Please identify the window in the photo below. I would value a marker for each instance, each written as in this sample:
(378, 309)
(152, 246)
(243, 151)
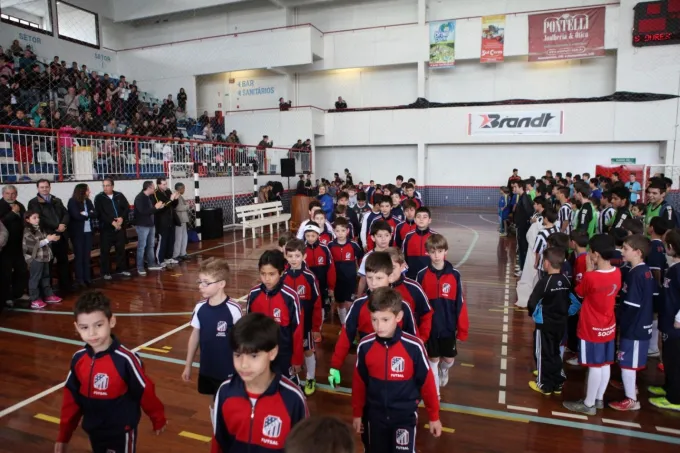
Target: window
(78, 25)
(33, 15)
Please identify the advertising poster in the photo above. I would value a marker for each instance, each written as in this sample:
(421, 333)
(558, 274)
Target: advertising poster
(512, 122)
(493, 38)
(564, 35)
(442, 44)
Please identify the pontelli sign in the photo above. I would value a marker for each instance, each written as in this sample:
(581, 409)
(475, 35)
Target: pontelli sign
(564, 35)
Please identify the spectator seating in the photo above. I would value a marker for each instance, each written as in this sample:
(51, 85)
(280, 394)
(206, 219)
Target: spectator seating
(261, 214)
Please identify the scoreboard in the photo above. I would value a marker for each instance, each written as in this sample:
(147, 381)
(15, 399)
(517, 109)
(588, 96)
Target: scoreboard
(656, 23)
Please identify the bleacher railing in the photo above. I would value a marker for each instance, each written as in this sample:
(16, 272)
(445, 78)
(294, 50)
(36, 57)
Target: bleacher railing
(28, 154)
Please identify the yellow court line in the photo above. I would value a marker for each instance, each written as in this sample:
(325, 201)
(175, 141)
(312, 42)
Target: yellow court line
(167, 348)
(162, 351)
(498, 417)
(444, 429)
(194, 436)
(468, 365)
(176, 275)
(47, 418)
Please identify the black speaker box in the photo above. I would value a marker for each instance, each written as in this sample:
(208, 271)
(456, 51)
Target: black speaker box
(288, 168)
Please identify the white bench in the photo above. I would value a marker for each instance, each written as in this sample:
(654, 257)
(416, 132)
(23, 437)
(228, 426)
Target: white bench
(259, 215)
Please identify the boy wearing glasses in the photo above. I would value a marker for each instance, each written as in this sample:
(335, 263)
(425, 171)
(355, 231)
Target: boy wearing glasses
(212, 320)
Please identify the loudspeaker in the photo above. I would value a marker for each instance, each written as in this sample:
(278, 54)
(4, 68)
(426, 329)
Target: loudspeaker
(287, 167)
(211, 223)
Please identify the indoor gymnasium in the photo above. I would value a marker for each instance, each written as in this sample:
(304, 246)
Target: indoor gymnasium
(334, 226)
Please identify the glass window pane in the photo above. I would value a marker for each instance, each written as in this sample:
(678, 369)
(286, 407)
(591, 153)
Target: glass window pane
(34, 13)
(78, 24)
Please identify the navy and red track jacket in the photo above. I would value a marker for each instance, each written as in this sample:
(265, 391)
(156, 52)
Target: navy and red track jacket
(320, 262)
(283, 306)
(390, 220)
(412, 293)
(242, 425)
(402, 230)
(415, 251)
(108, 389)
(304, 283)
(346, 258)
(359, 321)
(391, 376)
(444, 289)
(417, 201)
(326, 236)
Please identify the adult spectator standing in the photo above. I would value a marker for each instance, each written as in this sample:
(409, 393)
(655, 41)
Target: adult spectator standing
(145, 211)
(297, 145)
(634, 187)
(4, 236)
(301, 189)
(113, 212)
(340, 103)
(182, 100)
(12, 263)
(523, 213)
(513, 177)
(283, 105)
(165, 221)
(81, 212)
(54, 219)
(181, 235)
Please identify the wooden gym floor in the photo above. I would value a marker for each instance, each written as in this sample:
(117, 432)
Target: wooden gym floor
(487, 406)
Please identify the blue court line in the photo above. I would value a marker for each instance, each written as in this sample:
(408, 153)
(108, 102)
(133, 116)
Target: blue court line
(118, 315)
(453, 407)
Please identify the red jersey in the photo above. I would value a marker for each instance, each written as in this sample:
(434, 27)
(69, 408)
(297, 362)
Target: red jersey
(597, 323)
(580, 268)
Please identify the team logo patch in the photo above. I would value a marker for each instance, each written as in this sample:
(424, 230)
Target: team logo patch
(402, 437)
(272, 426)
(619, 355)
(559, 283)
(320, 261)
(666, 282)
(579, 276)
(101, 381)
(348, 256)
(301, 290)
(277, 314)
(397, 364)
(221, 326)
(446, 288)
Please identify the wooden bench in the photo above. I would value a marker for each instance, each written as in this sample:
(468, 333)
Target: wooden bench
(259, 215)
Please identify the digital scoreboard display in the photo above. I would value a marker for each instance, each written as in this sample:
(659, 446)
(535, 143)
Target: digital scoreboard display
(656, 23)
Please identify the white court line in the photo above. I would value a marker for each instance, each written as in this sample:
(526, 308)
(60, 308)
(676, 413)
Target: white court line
(487, 220)
(501, 397)
(505, 318)
(567, 415)
(503, 380)
(504, 364)
(620, 423)
(504, 350)
(661, 429)
(505, 328)
(505, 338)
(468, 252)
(523, 409)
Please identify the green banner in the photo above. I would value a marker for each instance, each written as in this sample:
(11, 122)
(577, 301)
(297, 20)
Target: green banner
(442, 44)
(623, 160)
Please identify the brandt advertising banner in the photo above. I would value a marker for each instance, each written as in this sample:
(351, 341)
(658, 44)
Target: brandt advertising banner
(565, 35)
(493, 38)
(534, 122)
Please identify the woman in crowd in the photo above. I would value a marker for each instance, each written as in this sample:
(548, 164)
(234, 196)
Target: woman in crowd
(81, 211)
(182, 100)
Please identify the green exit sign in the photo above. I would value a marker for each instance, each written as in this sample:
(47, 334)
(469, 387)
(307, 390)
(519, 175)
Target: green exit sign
(623, 160)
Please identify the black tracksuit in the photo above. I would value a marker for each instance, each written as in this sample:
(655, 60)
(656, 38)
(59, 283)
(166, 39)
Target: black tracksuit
(107, 210)
(52, 214)
(165, 224)
(12, 262)
(522, 215)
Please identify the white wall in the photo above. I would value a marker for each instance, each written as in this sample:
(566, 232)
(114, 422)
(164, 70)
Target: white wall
(20, 14)
(284, 128)
(134, 9)
(467, 165)
(359, 14)
(381, 163)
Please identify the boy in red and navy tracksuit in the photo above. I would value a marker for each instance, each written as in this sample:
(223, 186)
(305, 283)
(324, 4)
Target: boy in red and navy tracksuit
(412, 293)
(408, 225)
(392, 375)
(414, 243)
(106, 385)
(378, 265)
(444, 288)
(327, 234)
(320, 262)
(385, 205)
(256, 408)
(281, 303)
(347, 255)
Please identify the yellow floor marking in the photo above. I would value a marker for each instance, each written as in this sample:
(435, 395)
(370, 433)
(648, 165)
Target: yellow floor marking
(469, 365)
(194, 436)
(47, 418)
(444, 429)
(167, 348)
(499, 417)
(175, 275)
(162, 351)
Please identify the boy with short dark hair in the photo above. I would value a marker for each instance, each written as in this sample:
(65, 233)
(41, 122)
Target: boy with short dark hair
(327, 234)
(635, 317)
(407, 225)
(656, 260)
(620, 202)
(314, 206)
(385, 205)
(299, 278)
(397, 211)
(263, 425)
(211, 321)
(410, 194)
(549, 219)
(443, 286)
(633, 226)
(597, 323)
(362, 207)
(414, 243)
(391, 376)
(320, 262)
(107, 384)
(607, 213)
(566, 214)
(321, 434)
(347, 255)
(283, 240)
(657, 205)
(586, 220)
(381, 233)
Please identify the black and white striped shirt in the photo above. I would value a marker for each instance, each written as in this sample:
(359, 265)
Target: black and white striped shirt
(604, 219)
(542, 243)
(565, 215)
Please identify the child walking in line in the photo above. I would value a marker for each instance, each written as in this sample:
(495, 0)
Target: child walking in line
(38, 254)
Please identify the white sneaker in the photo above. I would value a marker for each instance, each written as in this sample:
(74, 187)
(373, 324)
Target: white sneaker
(125, 274)
(573, 361)
(443, 377)
(156, 267)
(171, 261)
(107, 277)
(142, 273)
(518, 274)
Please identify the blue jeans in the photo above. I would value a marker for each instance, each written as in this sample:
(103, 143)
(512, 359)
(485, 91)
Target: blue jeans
(501, 222)
(145, 241)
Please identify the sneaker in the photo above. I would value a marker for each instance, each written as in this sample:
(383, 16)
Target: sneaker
(573, 361)
(518, 274)
(443, 377)
(558, 391)
(310, 387)
(142, 273)
(662, 403)
(9, 303)
(535, 373)
(107, 277)
(619, 385)
(38, 304)
(156, 267)
(25, 297)
(533, 385)
(599, 404)
(653, 354)
(625, 405)
(53, 299)
(656, 391)
(171, 261)
(503, 235)
(125, 274)
(580, 407)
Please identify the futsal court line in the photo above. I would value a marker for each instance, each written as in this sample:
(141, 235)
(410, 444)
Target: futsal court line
(471, 246)
(487, 220)
(448, 407)
(502, 380)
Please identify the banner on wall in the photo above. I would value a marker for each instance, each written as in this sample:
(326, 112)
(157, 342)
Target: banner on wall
(442, 44)
(534, 122)
(564, 35)
(493, 38)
